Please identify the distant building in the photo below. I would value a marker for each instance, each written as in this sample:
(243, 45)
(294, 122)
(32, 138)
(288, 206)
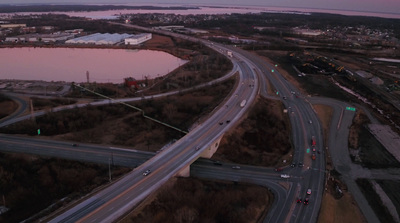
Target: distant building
(169, 28)
(76, 31)
(10, 26)
(376, 80)
(100, 39)
(131, 82)
(40, 37)
(307, 32)
(138, 39)
(364, 74)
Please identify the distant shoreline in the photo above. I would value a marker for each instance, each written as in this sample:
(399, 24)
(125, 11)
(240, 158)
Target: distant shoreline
(175, 8)
(23, 8)
(80, 8)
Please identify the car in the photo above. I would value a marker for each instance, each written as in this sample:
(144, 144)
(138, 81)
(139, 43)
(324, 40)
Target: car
(293, 165)
(74, 145)
(310, 121)
(217, 163)
(197, 148)
(298, 200)
(221, 123)
(301, 165)
(147, 172)
(313, 149)
(236, 167)
(309, 191)
(306, 201)
(227, 121)
(278, 169)
(284, 97)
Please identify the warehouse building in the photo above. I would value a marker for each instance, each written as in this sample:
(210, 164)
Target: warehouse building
(138, 39)
(40, 37)
(100, 39)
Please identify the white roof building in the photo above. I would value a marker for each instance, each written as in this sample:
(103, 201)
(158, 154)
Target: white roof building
(138, 39)
(100, 39)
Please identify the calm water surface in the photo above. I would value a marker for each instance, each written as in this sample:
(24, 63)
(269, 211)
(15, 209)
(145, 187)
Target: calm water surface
(71, 64)
(221, 9)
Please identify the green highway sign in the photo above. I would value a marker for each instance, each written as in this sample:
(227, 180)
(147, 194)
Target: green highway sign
(350, 108)
(308, 150)
(272, 70)
(38, 131)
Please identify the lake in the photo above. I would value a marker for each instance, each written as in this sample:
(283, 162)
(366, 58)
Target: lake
(72, 64)
(217, 9)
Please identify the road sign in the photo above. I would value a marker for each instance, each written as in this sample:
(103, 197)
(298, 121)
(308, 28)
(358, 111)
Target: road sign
(38, 131)
(350, 108)
(308, 150)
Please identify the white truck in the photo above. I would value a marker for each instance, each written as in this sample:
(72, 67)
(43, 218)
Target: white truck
(243, 103)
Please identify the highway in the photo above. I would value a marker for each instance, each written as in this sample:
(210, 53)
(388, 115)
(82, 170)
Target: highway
(22, 106)
(300, 113)
(126, 193)
(117, 199)
(17, 117)
(204, 168)
(121, 196)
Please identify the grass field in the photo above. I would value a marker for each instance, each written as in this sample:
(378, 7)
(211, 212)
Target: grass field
(195, 200)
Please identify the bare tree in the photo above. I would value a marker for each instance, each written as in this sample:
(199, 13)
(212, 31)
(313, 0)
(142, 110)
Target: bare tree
(186, 215)
(169, 111)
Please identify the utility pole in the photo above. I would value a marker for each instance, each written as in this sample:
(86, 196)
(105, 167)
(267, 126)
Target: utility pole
(31, 105)
(109, 168)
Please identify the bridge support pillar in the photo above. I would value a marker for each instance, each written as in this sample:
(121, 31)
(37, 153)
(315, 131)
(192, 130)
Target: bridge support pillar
(185, 172)
(209, 152)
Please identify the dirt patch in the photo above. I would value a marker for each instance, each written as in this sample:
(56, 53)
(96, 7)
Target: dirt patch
(260, 139)
(324, 113)
(157, 41)
(338, 205)
(344, 210)
(195, 200)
